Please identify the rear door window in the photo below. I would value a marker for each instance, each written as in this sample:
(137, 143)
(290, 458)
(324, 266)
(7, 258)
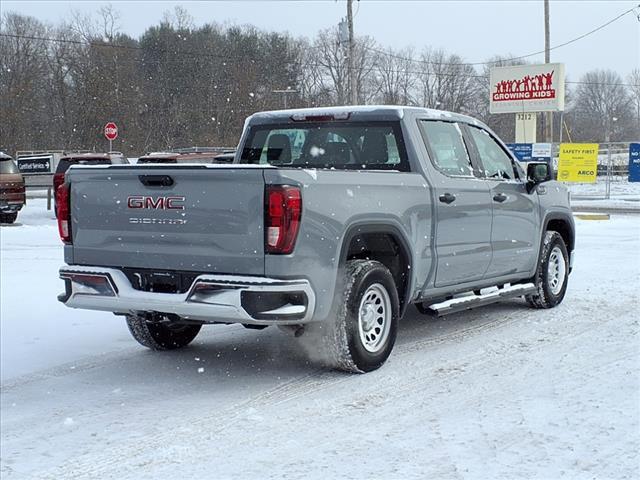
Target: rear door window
(447, 148)
(496, 163)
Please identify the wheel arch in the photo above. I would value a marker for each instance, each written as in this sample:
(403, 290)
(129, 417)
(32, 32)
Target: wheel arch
(564, 225)
(385, 242)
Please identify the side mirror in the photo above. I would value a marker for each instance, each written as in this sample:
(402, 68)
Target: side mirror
(537, 172)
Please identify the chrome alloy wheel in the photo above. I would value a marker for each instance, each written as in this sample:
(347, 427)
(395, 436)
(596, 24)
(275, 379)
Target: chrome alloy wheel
(374, 318)
(556, 270)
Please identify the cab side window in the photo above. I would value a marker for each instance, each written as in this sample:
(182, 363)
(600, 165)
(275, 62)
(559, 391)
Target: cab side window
(446, 147)
(496, 163)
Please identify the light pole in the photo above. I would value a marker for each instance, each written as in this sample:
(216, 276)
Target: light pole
(548, 120)
(610, 122)
(352, 73)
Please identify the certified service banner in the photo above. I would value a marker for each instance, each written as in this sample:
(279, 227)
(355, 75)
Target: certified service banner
(578, 162)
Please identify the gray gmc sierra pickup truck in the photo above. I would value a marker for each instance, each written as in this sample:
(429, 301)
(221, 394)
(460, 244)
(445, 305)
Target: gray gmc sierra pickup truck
(330, 222)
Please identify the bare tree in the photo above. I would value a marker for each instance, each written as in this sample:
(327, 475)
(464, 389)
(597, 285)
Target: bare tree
(602, 109)
(395, 77)
(332, 68)
(22, 78)
(108, 20)
(330, 58)
(179, 19)
(445, 82)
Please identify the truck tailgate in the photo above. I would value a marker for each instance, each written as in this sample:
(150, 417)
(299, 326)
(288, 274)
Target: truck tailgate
(186, 218)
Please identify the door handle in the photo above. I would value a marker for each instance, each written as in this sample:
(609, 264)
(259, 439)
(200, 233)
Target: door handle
(447, 198)
(156, 180)
(500, 197)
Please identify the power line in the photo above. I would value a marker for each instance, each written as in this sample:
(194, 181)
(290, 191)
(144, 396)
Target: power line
(116, 46)
(373, 69)
(400, 57)
(382, 52)
(191, 53)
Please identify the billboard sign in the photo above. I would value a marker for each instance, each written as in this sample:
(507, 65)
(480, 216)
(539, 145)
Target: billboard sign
(527, 88)
(578, 162)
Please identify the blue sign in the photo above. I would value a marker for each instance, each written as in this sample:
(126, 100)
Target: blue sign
(634, 162)
(522, 151)
(531, 152)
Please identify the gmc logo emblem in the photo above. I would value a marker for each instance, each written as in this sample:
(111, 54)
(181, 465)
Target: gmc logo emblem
(156, 203)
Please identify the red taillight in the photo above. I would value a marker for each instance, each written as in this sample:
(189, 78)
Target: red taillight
(58, 179)
(320, 117)
(63, 212)
(283, 211)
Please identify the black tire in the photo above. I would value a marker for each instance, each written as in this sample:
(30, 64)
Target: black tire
(341, 337)
(8, 217)
(161, 336)
(545, 297)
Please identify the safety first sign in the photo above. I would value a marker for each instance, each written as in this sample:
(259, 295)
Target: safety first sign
(578, 162)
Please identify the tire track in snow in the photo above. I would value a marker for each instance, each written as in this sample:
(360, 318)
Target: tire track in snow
(136, 449)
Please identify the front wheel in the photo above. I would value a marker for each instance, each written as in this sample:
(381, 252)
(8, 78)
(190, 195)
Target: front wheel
(363, 333)
(154, 333)
(8, 217)
(552, 274)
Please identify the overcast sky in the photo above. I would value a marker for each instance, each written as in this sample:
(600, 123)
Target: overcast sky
(475, 29)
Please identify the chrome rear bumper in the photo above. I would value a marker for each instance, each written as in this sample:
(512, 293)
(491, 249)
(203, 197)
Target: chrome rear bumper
(211, 298)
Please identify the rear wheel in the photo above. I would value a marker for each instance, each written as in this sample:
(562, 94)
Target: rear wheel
(552, 273)
(8, 217)
(363, 333)
(157, 332)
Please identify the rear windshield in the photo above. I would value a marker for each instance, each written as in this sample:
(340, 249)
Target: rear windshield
(8, 166)
(353, 146)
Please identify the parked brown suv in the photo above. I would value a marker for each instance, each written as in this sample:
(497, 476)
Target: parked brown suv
(12, 194)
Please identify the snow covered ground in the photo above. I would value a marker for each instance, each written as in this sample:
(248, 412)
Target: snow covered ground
(620, 187)
(502, 392)
(624, 196)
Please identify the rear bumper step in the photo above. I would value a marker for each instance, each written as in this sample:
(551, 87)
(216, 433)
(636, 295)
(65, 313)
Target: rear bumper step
(211, 298)
(472, 301)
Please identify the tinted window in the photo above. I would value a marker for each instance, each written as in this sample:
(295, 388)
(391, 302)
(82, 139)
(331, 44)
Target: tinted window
(157, 160)
(447, 147)
(8, 166)
(328, 145)
(65, 163)
(496, 162)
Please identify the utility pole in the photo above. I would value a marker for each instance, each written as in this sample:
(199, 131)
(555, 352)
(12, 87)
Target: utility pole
(351, 65)
(548, 123)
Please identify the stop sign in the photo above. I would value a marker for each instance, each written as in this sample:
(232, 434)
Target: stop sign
(111, 131)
